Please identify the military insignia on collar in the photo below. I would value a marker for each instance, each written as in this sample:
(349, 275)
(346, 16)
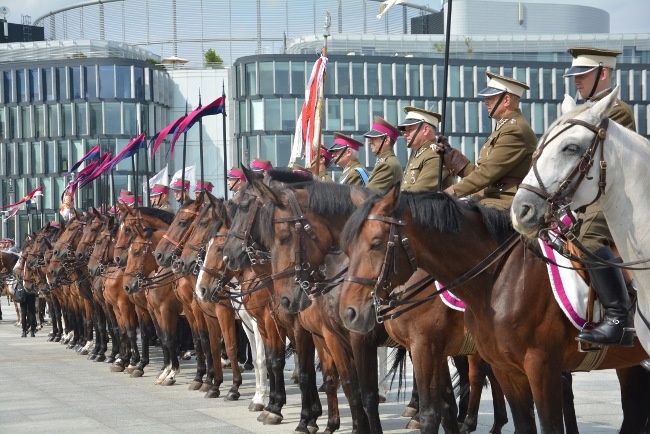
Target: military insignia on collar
(513, 121)
(500, 123)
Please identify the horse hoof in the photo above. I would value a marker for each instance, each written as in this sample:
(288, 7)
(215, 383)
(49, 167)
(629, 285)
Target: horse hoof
(100, 358)
(117, 368)
(69, 347)
(255, 407)
(409, 412)
(382, 399)
(205, 387)
(232, 396)
(50, 339)
(195, 385)
(312, 428)
(84, 352)
(413, 424)
(91, 356)
(137, 373)
(262, 416)
(109, 359)
(273, 419)
(212, 393)
(169, 382)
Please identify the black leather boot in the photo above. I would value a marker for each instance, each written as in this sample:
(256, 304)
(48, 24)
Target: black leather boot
(24, 335)
(617, 327)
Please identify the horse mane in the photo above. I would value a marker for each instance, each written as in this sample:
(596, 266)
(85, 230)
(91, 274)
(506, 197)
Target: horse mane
(328, 199)
(288, 176)
(497, 221)
(265, 217)
(160, 214)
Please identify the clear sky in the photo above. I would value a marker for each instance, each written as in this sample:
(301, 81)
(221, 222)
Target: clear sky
(627, 16)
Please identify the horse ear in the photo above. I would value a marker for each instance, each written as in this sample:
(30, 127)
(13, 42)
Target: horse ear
(97, 213)
(390, 200)
(358, 196)
(78, 215)
(568, 104)
(603, 108)
(139, 231)
(266, 193)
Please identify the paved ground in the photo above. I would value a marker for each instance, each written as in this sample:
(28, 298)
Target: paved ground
(46, 388)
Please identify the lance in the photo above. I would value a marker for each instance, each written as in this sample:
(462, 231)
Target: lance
(184, 159)
(225, 151)
(42, 208)
(134, 171)
(201, 141)
(318, 115)
(444, 93)
(146, 169)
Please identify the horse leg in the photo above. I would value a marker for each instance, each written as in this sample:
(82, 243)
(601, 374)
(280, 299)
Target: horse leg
(364, 353)
(426, 367)
(145, 329)
(99, 322)
(204, 336)
(464, 401)
(275, 354)
(227, 320)
(331, 382)
(259, 362)
(499, 402)
(635, 396)
(545, 378)
(569, 411)
(91, 319)
(214, 332)
(472, 371)
(311, 406)
(133, 358)
(520, 397)
(195, 319)
(114, 332)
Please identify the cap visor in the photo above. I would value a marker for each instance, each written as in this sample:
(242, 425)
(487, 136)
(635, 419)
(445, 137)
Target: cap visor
(408, 122)
(336, 148)
(578, 70)
(489, 91)
(374, 133)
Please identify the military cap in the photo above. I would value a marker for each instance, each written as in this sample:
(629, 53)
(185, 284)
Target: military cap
(159, 189)
(178, 185)
(341, 141)
(499, 84)
(382, 128)
(415, 115)
(260, 165)
(203, 187)
(235, 173)
(586, 59)
(130, 200)
(124, 193)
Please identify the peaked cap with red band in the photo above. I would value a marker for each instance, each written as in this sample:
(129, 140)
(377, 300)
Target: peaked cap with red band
(342, 141)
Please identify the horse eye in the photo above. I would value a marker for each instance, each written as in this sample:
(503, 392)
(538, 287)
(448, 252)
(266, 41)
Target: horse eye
(570, 149)
(285, 240)
(220, 249)
(376, 245)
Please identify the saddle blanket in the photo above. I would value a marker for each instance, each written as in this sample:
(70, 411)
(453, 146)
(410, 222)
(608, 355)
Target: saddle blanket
(569, 289)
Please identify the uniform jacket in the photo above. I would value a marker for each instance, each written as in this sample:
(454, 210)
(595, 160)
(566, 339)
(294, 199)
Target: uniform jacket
(421, 173)
(323, 176)
(387, 172)
(350, 175)
(621, 113)
(166, 206)
(503, 162)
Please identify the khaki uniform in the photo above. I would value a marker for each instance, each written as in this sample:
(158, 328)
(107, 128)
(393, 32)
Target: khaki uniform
(421, 173)
(323, 176)
(503, 162)
(594, 232)
(166, 206)
(350, 175)
(387, 172)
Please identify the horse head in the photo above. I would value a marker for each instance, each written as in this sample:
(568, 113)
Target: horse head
(140, 262)
(89, 236)
(208, 223)
(179, 231)
(103, 248)
(67, 243)
(244, 229)
(565, 170)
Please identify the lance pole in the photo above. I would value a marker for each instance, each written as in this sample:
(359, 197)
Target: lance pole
(201, 142)
(318, 115)
(444, 93)
(225, 151)
(146, 168)
(184, 160)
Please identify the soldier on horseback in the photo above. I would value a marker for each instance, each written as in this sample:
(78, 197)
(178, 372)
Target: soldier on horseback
(346, 155)
(236, 180)
(388, 171)
(159, 197)
(181, 190)
(592, 70)
(325, 161)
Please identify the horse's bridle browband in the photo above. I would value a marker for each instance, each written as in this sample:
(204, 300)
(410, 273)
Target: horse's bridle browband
(559, 202)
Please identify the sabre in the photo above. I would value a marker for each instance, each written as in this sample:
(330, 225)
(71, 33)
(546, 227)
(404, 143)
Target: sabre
(444, 94)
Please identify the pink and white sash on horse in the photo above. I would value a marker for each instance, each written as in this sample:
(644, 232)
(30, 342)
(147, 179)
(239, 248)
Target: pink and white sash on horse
(450, 299)
(569, 288)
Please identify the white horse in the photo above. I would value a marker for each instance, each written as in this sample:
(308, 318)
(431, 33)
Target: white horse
(625, 199)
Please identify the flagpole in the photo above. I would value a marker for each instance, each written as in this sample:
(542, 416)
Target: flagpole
(444, 94)
(318, 115)
(134, 171)
(201, 143)
(113, 190)
(184, 159)
(42, 208)
(146, 168)
(225, 151)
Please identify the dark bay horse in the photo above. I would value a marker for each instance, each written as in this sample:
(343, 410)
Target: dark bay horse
(517, 325)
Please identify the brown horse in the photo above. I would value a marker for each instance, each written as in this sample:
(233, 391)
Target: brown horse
(517, 325)
(219, 319)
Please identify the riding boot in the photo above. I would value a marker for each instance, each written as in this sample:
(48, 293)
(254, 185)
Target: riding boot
(617, 327)
(24, 335)
(33, 334)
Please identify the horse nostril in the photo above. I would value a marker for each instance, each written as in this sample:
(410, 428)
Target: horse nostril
(351, 314)
(203, 291)
(285, 302)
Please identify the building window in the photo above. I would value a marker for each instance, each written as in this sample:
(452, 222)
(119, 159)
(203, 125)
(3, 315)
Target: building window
(53, 120)
(21, 91)
(47, 193)
(48, 157)
(414, 80)
(130, 119)
(283, 145)
(123, 81)
(363, 115)
(257, 115)
(343, 78)
(77, 149)
(37, 162)
(242, 117)
(297, 77)
(9, 161)
(12, 128)
(288, 113)
(112, 118)
(48, 86)
(66, 119)
(469, 91)
(454, 81)
(90, 81)
(80, 119)
(23, 158)
(96, 121)
(348, 115)
(533, 82)
(267, 148)
(138, 80)
(106, 82)
(400, 79)
(75, 82)
(34, 94)
(272, 114)
(2, 123)
(61, 83)
(358, 79)
(266, 78)
(7, 86)
(281, 78)
(472, 116)
(333, 114)
(26, 122)
(63, 156)
(459, 117)
(386, 80)
(372, 79)
(251, 79)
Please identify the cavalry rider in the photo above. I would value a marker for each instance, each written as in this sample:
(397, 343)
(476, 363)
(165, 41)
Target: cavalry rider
(159, 198)
(324, 164)
(345, 152)
(506, 155)
(128, 198)
(9, 245)
(236, 180)
(388, 170)
(181, 190)
(592, 70)
(421, 173)
(201, 187)
(262, 167)
(301, 170)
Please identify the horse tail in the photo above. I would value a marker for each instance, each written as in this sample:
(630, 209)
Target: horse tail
(398, 367)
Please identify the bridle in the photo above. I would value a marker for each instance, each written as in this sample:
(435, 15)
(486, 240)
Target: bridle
(186, 234)
(200, 249)
(559, 202)
(257, 254)
(302, 228)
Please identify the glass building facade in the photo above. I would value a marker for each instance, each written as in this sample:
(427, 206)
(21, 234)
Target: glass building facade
(53, 112)
(270, 91)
